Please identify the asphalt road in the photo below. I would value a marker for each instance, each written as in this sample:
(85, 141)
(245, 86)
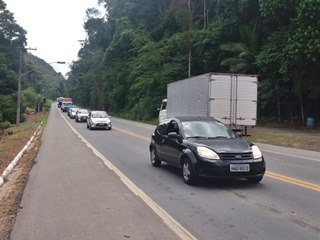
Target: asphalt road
(101, 185)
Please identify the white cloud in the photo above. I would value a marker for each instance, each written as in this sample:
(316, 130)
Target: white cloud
(53, 27)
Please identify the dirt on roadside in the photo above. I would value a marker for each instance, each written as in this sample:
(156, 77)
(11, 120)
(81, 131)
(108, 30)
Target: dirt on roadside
(12, 190)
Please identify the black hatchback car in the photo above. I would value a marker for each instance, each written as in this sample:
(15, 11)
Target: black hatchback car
(205, 147)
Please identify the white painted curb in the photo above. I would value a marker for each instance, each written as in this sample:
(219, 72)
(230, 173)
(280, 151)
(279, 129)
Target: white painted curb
(1, 181)
(12, 165)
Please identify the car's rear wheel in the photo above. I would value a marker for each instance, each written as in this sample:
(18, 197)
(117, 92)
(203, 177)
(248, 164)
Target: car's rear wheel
(254, 179)
(154, 159)
(188, 173)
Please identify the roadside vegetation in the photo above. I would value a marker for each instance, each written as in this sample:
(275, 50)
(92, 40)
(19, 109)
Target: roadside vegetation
(134, 50)
(131, 54)
(299, 140)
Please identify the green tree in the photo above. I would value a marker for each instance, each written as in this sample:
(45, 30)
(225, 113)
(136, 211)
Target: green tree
(301, 50)
(244, 52)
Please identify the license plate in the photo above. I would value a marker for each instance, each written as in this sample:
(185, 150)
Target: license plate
(239, 168)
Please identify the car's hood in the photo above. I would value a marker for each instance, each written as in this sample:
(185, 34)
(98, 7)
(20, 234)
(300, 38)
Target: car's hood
(100, 119)
(225, 145)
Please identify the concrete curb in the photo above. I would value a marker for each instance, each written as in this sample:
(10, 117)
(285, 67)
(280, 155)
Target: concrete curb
(14, 162)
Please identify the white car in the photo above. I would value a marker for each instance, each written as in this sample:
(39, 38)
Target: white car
(81, 115)
(72, 112)
(99, 120)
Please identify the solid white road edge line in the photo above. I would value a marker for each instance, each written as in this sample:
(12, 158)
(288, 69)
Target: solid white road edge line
(174, 225)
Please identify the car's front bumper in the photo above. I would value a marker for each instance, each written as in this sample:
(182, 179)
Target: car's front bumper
(222, 169)
(82, 118)
(101, 125)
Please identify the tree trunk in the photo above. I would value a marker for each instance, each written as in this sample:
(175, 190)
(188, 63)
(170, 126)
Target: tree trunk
(279, 108)
(302, 110)
(190, 37)
(205, 14)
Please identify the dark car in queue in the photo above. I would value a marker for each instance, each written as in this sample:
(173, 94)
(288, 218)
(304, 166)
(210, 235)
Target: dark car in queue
(99, 120)
(81, 115)
(59, 101)
(204, 147)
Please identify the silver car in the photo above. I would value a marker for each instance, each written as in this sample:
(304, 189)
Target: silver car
(72, 112)
(99, 120)
(81, 115)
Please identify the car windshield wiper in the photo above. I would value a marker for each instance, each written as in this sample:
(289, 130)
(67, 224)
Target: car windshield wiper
(218, 137)
(198, 137)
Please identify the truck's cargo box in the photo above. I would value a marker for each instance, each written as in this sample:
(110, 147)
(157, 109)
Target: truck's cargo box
(230, 98)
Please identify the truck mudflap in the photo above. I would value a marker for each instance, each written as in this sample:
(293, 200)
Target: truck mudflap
(243, 133)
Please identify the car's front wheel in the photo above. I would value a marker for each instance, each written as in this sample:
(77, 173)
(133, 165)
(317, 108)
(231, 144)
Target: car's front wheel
(153, 157)
(188, 173)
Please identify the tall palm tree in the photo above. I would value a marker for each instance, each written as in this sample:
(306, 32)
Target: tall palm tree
(244, 52)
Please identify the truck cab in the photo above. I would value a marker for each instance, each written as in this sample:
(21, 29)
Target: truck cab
(163, 110)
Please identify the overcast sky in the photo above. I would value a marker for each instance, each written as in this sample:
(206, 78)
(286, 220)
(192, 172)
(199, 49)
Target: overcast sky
(53, 27)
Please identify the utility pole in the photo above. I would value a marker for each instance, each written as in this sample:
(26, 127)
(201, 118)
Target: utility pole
(205, 14)
(21, 52)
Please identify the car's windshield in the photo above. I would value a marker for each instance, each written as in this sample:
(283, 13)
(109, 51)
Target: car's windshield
(99, 115)
(207, 129)
(83, 111)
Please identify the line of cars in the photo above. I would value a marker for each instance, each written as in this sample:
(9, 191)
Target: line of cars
(95, 119)
(202, 147)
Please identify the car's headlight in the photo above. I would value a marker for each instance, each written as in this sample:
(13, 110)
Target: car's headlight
(256, 152)
(207, 153)
(108, 121)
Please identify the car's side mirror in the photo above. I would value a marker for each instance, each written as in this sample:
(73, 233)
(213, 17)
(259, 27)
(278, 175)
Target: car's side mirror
(174, 135)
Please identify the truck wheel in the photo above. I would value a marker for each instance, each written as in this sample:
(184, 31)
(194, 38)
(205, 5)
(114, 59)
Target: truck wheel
(188, 173)
(154, 159)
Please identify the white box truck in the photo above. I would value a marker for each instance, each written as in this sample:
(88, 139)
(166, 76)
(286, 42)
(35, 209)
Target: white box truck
(229, 98)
